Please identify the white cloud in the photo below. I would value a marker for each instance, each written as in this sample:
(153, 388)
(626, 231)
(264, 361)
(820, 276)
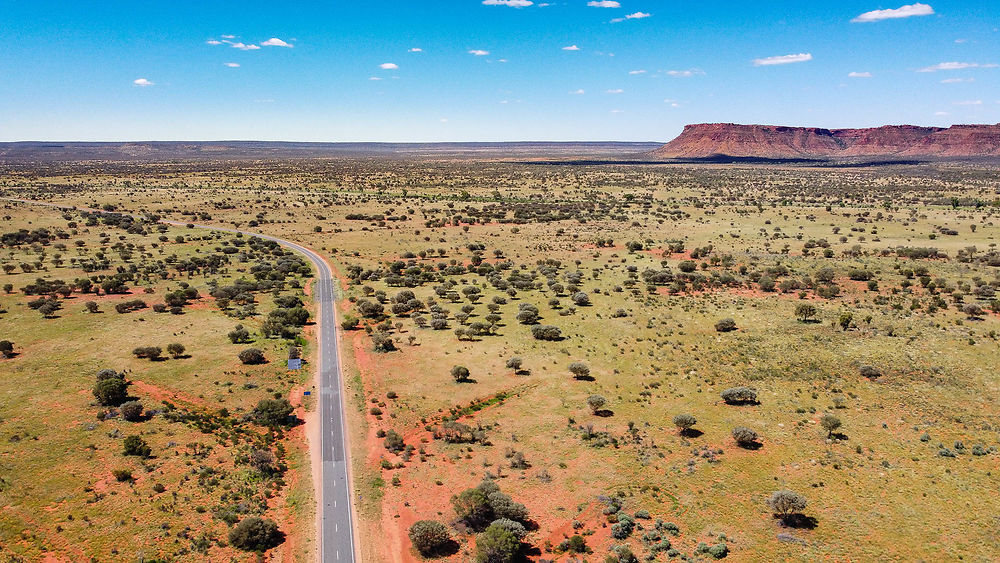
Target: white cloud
(637, 72)
(615, 91)
(955, 66)
(940, 113)
(244, 47)
(374, 78)
(213, 42)
(232, 65)
(673, 103)
(229, 37)
(388, 66)
(860, 75)
(142, 82)
(479, 52)
(617, 111)
(579, 92)
(511, 3)
(783, 59)
(633, 16)
(957, 80)
(571, 48)
(415, 50)
(685, 73)
(960, 41)
(604, 4)
(444, 120)
(907, 11)
(969, 103)
(275, 42)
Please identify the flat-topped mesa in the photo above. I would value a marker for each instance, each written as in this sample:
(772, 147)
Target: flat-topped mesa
(774, 141)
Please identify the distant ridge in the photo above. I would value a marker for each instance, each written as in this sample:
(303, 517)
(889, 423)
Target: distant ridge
(706, 140)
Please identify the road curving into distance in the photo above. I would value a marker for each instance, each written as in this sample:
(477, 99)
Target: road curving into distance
(334, 484)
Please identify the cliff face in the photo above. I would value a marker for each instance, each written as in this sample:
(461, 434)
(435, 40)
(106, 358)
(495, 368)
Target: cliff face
(770, 141)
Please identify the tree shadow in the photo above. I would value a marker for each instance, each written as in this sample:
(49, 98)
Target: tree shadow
(466, 380)
(449, 548)
(839, 436)
(799, 521)
(810, 321)
(742, 403)
(692, 433)
(604, 413)
(522, 372)
(584, 377)
(752, 446)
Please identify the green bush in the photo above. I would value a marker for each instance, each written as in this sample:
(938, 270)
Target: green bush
(255, 534)
(429, 537)
(273, 412)
(135, 445)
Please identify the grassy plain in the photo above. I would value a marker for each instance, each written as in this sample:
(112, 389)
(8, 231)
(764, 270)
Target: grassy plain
(907, 477)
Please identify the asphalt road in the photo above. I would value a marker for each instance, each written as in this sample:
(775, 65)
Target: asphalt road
(337, 528)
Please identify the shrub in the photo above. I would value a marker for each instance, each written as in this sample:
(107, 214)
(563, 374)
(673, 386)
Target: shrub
(546, 332)
(135, 445)
(382, 342)
(684, 422)
(151, 352)
(497, 545)
(870, 372)
(471, 507)
(7, 348)
(132, 411)
(574, 544)
(830, 423)
(725, 325)
(805, 311)
(579, 370)
(514, 363)
(394, 442)
(122, 475)
(273, 412)
(429, 537)
(581, 299)
(687, 266)
(784, 503)
(511, 526)
(175, 349)
(745, 437)
(252, 356)
(111, 392)
(350, 322)
(255, 534)
(596, 403)
(239, 335)
(739, 395)
(460, 373)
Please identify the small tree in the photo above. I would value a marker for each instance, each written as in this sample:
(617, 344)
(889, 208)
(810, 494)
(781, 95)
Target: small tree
(684, 422)
(91, 306)
(175, 349)
(514, 364)
(252, 356)
(739, 395)
(131, 411)
(135, 445)
(111, 392)
(579, 370)
(239, 335)
(596, 403)
(785, 503)
(805, 311)
(871, 372)
(394, 442)
(273, 412)
(349, 322)
(497, 545)
(6, 348)
(745, 437)
(255, 534)
(830, 423)
(845, 320)
(429, 537)
(460, 373)
(725, 325)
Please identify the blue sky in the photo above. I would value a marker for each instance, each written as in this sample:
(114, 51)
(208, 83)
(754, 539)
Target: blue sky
(313, 71)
